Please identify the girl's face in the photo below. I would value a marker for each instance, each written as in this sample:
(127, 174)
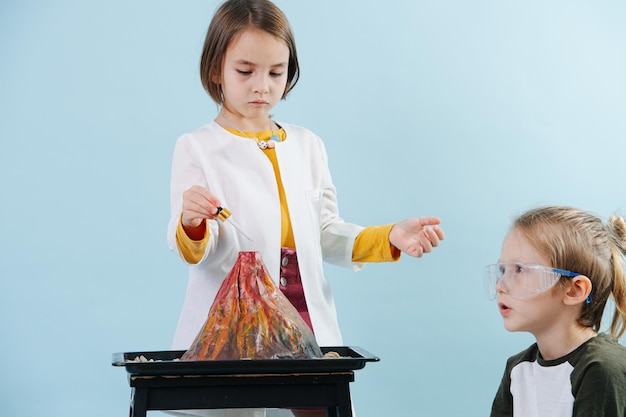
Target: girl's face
(254, 77)
(538, 313)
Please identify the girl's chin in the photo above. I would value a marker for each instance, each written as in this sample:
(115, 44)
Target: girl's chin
(511, 326)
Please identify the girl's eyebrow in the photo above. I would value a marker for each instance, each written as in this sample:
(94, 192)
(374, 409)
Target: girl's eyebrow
(252, 64)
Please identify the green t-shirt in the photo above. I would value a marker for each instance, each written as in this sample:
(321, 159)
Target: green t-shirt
(588, 382)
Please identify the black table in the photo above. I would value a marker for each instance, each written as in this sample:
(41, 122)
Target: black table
(168, 384)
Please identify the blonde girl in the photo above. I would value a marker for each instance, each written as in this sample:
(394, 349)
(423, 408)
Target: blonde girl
(557, 269)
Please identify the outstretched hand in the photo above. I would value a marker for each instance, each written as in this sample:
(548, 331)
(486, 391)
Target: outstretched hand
(417, 236)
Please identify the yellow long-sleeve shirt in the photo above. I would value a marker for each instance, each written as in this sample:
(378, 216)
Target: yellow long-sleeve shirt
(371, 245)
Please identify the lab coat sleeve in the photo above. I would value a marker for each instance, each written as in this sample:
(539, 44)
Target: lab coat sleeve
(186, 172)
(338, 236)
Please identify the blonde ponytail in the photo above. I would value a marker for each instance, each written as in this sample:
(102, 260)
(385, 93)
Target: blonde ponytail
(617, 232)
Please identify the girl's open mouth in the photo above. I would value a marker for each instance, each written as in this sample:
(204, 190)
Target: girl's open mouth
(504, 309)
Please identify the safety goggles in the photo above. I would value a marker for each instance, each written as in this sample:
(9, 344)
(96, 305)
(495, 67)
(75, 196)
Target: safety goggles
(521, 280)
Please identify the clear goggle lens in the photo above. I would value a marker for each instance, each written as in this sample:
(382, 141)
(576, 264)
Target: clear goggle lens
(520, 280)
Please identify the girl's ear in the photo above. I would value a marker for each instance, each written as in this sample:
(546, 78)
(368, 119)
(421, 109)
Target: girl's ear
(578, 290)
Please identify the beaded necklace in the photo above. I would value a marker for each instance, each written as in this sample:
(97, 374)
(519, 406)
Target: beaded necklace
(262, 144)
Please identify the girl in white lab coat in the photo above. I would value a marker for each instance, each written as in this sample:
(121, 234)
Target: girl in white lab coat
(274, 179)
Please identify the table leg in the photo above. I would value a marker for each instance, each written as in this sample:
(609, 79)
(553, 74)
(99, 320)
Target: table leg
(345, 403)
(138, 402)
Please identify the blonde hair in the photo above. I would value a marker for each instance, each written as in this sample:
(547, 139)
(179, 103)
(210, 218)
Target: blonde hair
(580, 242)
(230, 19)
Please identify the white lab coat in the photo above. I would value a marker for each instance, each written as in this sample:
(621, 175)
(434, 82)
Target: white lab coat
(242, 178)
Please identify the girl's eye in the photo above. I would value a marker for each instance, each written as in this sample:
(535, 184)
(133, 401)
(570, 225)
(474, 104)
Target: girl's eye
(242, 72)
(275, 74)
(511, 268)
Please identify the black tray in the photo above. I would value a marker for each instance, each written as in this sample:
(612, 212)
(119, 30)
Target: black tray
(165, 363)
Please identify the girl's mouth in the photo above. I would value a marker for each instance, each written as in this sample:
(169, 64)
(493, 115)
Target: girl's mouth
(504, 309)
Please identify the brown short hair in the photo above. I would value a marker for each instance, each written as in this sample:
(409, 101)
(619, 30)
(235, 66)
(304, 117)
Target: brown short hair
(230, 19)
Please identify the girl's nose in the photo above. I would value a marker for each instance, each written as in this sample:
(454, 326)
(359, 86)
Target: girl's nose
(500, 286)
(261, 85)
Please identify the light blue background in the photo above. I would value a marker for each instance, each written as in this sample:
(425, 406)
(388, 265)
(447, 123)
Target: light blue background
(471, 111)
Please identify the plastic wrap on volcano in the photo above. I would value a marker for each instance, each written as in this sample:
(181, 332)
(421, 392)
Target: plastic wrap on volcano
(251, 318)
